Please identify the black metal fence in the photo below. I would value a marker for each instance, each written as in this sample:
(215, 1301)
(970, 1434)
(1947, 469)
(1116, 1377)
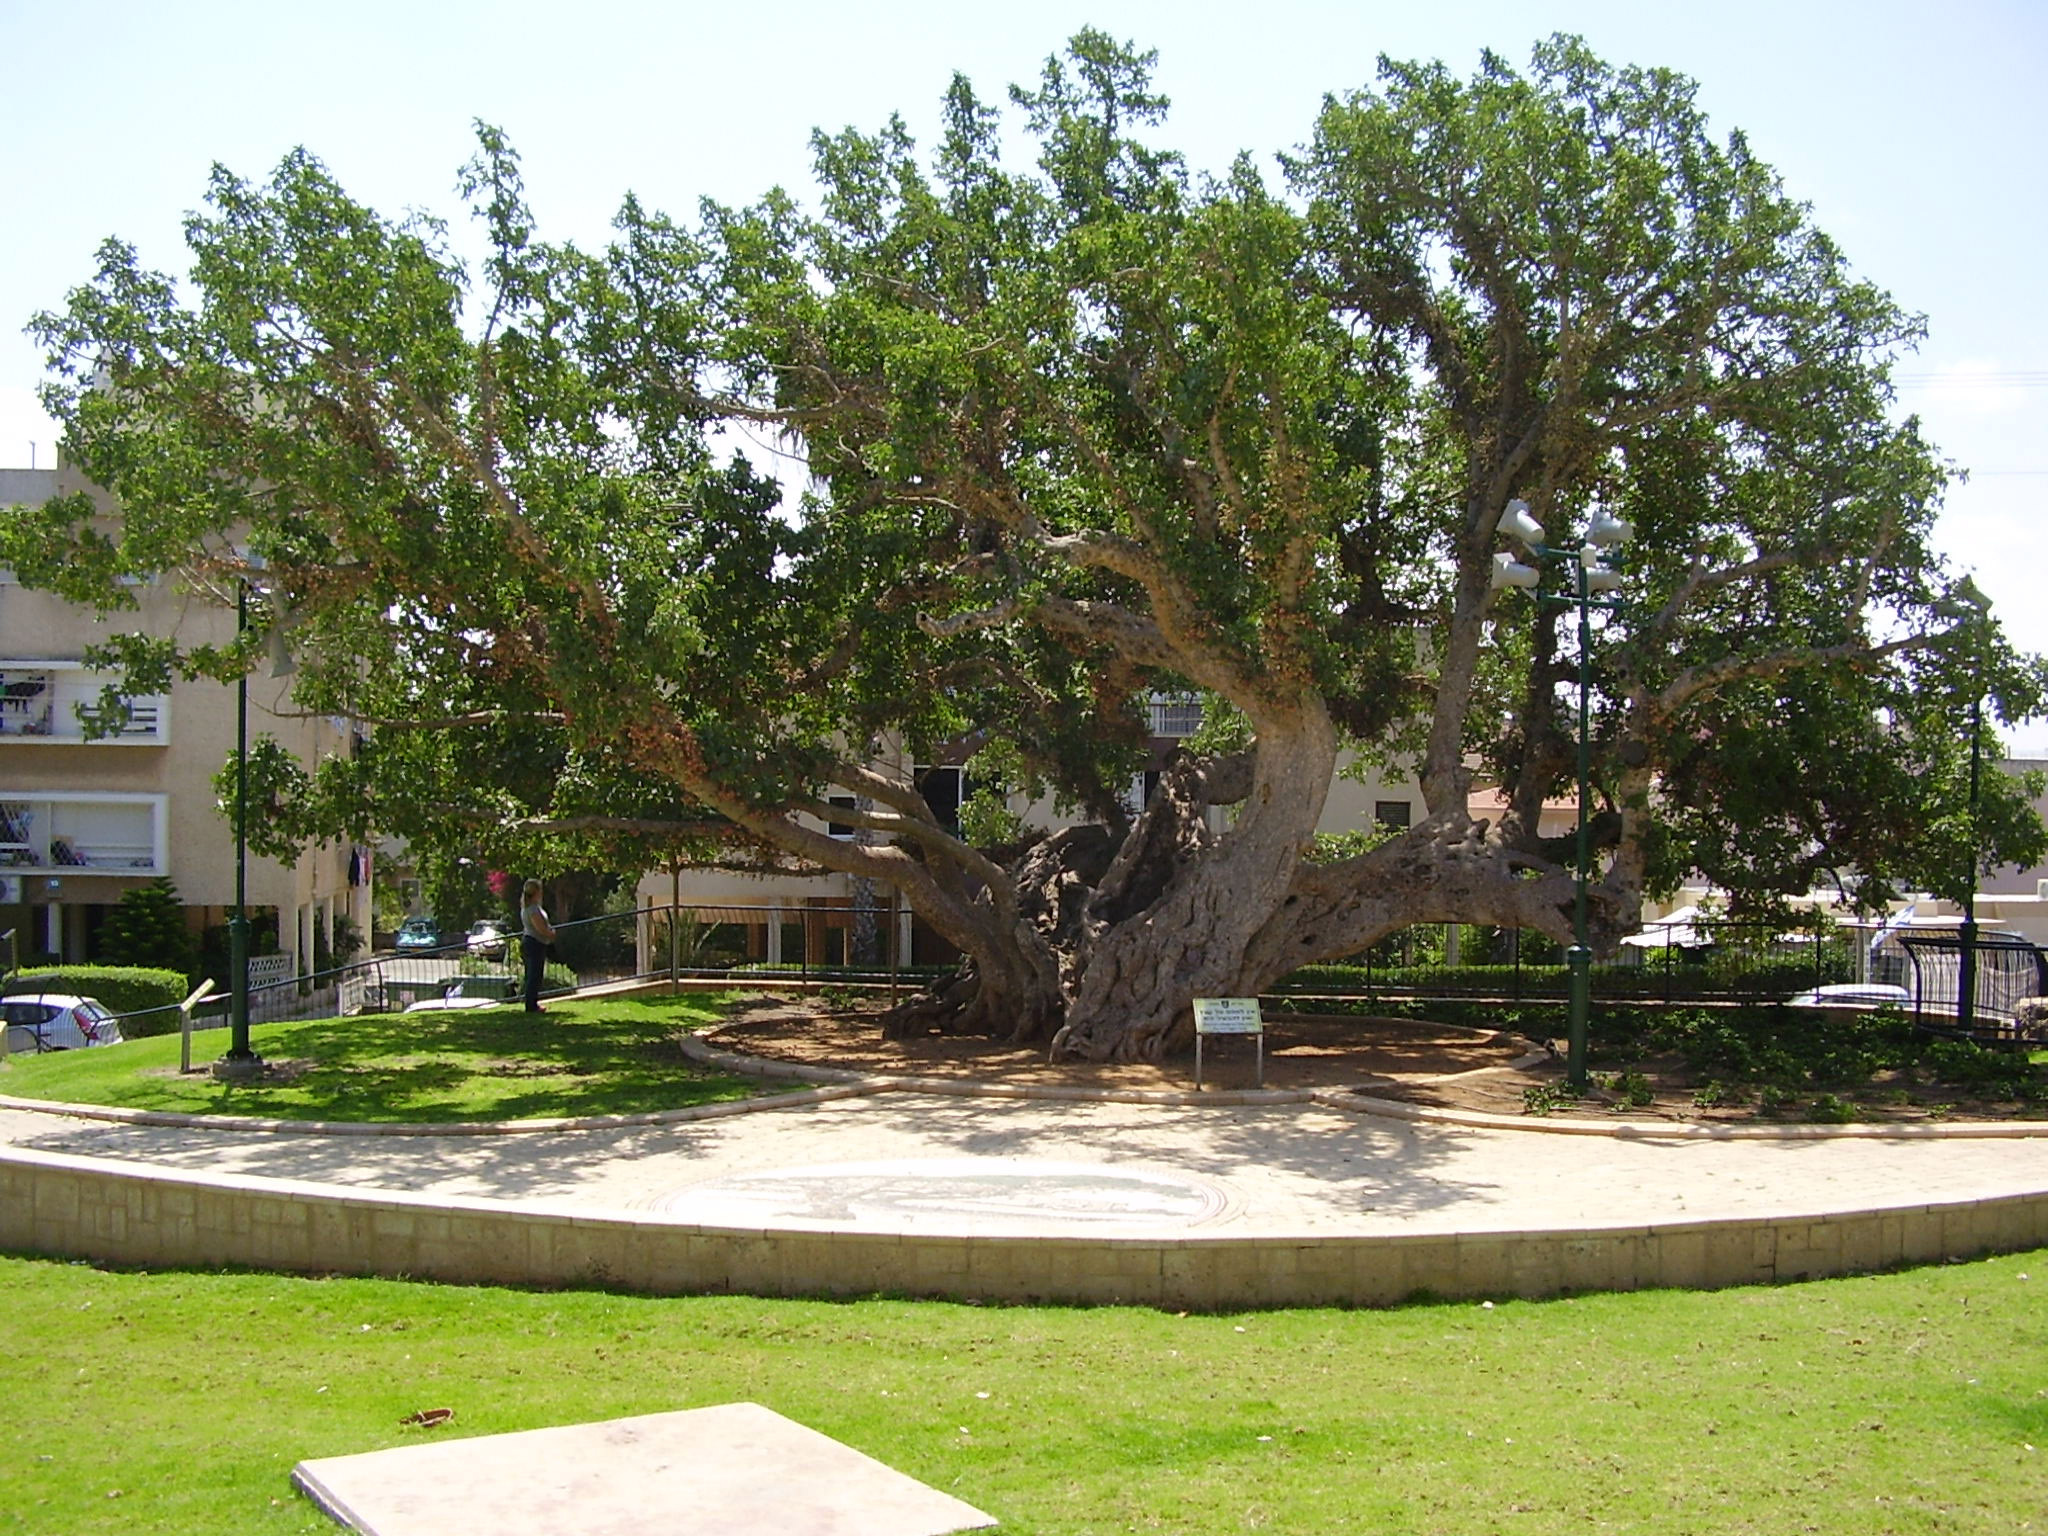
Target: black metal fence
(867, 943)
(2008, 971)
(1666, 962)
(1671, 962)
(872, 943)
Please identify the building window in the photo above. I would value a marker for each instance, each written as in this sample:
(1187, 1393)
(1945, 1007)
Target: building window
(842, 830)
(1392, 814)
(105, 833)
(1174, 715)
(945, 789)
(40, 701)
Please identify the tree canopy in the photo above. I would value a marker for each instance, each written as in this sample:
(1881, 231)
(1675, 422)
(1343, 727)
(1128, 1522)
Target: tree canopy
(1077, 433)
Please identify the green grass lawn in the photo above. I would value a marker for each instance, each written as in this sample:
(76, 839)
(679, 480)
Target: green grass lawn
(1913, 1402)
(600, 1057)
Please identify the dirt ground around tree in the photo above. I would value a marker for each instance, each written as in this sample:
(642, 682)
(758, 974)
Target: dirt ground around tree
(1444, 1066)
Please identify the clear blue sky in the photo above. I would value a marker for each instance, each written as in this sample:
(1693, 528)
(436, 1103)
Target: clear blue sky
(1914, 130)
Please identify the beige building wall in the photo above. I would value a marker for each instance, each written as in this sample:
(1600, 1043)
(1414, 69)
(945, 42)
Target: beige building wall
(196, 737)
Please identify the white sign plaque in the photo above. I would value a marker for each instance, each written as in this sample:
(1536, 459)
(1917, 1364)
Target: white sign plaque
(1228, 1016)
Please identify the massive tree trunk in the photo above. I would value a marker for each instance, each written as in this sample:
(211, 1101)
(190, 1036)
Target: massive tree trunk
(1117, 941)
(1173, 918)
(1114, 942)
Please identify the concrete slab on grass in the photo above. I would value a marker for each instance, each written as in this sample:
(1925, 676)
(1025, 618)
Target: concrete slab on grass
(738, 1468)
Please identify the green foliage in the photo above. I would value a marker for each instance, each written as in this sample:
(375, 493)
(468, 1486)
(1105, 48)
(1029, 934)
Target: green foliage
(387, 908)
(1079, 431)
(554, 975)
(604, 942)
(1548, 1098)
(348, 939)
(696, 944)
(214, 943)
(454, 889)
(147, 927)
(1631, 1089)
(1828, 1052)
(122, 989)
(1730, 975)
(987, 821)
(1831, 1109)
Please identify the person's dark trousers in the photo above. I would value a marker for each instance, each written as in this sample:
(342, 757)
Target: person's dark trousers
(535, 954)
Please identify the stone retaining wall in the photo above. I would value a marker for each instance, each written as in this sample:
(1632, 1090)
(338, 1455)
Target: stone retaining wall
(129, 1213)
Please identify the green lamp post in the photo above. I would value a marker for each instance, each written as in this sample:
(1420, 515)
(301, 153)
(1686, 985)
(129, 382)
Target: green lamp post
(240, 1060)
(1970, 606)
(1592, 581)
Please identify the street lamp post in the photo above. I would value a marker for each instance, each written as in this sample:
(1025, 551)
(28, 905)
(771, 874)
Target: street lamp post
(240, 1061)
(1966, 983)
(1605, 534)
(1973, 608)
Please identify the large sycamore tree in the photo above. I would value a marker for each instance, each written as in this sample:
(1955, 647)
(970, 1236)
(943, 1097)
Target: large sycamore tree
(1077, 433)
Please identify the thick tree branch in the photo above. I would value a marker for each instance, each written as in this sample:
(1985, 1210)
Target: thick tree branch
(1697, 682)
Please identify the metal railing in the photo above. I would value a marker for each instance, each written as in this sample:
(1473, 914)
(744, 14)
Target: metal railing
(1700, 960)
(694, 941)
(2009, 970)
(1668, 962)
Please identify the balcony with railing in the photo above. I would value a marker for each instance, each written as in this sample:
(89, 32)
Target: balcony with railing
(83, 833)
(40, 702)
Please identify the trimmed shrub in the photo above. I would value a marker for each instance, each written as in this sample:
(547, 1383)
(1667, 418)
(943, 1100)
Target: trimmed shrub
(123, 989)
(146, 928)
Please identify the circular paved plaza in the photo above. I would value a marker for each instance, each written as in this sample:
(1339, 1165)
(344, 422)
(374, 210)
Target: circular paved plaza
(863, 1187)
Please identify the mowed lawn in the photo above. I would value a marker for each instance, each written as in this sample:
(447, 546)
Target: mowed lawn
(598, 1057)
(1913, 1402)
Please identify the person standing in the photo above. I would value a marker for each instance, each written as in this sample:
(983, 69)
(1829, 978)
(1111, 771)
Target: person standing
(536, 933)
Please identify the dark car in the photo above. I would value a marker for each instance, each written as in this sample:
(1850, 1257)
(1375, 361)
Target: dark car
(417, 933)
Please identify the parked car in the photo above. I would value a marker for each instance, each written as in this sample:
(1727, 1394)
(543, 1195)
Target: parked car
(468, 992)
(51, 1021)
(1852, 995)
(417, 933)
(487, 938)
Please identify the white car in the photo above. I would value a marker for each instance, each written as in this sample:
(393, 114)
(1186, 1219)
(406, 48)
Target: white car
(467, 992)
(1852, 994)
(50, 1021)
(487, 939)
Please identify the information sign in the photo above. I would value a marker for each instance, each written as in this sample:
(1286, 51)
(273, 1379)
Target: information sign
(1228, 1016)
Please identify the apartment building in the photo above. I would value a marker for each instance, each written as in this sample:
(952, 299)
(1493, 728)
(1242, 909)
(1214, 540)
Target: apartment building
(83, 821)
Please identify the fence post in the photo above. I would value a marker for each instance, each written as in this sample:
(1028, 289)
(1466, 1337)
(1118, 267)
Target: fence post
(1515, 948)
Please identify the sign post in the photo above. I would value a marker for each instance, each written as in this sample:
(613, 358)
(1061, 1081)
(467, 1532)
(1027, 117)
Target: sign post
(1229, 1016)
(199, 995)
